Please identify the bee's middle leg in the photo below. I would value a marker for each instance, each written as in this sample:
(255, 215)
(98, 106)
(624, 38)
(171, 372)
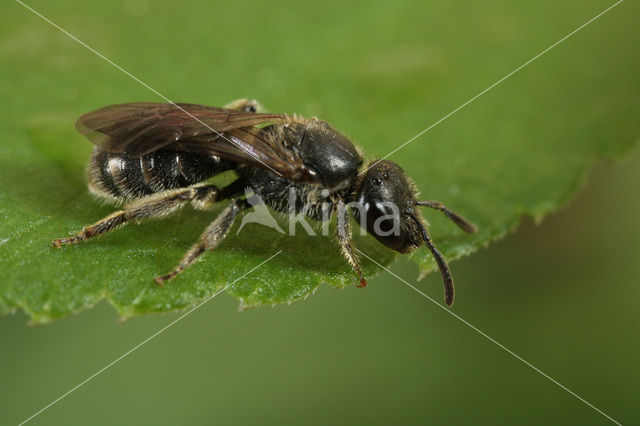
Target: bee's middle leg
(210, 238)
(154, 206)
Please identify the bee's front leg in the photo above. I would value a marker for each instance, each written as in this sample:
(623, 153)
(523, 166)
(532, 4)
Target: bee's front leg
(344, 238)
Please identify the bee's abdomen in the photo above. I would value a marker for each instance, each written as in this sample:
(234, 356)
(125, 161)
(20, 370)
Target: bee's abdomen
(121, 176)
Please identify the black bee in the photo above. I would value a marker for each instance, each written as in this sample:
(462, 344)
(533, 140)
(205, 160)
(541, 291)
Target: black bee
(157, 157)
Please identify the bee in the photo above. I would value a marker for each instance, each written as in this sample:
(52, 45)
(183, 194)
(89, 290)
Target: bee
(157, 157)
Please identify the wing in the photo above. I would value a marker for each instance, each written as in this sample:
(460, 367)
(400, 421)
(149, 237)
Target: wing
(142, 128)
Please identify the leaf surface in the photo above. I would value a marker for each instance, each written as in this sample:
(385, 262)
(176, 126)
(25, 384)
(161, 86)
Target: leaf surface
(381, 73)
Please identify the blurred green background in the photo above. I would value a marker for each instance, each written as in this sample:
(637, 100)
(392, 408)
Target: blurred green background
(563, 295)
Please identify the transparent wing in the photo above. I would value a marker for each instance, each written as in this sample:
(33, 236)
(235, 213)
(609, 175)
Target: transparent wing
(142, 128)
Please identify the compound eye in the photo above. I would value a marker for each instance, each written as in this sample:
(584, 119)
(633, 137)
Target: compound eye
(383, 222)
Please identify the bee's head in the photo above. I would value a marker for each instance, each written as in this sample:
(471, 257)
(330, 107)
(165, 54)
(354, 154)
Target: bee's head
(384, 200)
(386, 206)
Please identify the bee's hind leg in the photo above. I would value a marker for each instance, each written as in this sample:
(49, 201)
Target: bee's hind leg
(154, 206)
(245, 105)
(210, 238)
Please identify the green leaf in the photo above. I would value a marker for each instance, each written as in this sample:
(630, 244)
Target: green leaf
(379, 72)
